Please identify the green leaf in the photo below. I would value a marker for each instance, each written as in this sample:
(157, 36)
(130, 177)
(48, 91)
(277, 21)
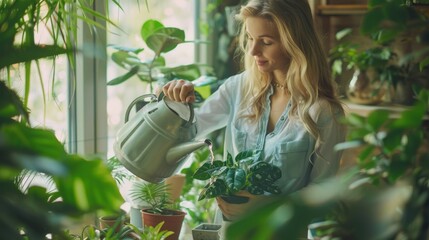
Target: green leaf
(412, 117)
(255, 189)
(165, 39)
(85, 186)
(206, 170)
(377, 118)
(187, 72)
(32, 140)
(229, 160)
(372, 20)
(149, 27)
(235, 179)
(126, 49)
(254, 154)
(125, 58)
(214, 189)
(392, 141)
(343, 33)
(133, 71)
(355, 120)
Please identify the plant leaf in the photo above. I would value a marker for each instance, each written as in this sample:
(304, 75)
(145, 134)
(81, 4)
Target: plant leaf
(124, 77)
(165, 39)
(149, 27)
(206, 170)
(235, 179)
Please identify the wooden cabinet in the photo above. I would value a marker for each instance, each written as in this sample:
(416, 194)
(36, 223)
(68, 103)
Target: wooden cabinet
(331, 16)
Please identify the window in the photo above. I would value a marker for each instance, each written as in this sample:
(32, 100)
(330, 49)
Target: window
(171, 14)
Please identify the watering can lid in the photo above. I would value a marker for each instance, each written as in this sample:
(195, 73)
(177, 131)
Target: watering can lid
(183, 110)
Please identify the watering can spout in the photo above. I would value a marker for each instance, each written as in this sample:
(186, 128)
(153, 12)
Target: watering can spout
(177, 152)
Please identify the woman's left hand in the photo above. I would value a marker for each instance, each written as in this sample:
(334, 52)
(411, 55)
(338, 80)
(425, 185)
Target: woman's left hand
(233, 210)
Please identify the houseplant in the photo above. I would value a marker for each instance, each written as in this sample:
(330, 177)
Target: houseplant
(160, 40)
(244, 172)
(160, 207)
(123, 232)
(28, 210)
(373, 69)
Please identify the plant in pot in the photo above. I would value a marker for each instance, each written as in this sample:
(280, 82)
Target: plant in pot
(373, 69)
(159, 208)
(160, 40)
(244, 172)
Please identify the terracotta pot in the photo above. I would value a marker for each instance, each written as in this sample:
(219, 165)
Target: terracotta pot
(172, 222)
(110, 221)
(175, 183)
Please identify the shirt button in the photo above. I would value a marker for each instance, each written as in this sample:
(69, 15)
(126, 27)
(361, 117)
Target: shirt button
(282, 118)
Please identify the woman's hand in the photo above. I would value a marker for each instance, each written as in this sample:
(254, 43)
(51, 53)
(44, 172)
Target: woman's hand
(180, 91)
(233, 211)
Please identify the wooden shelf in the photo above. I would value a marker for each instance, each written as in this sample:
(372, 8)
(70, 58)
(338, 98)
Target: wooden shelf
(342, 9)
(394, 110)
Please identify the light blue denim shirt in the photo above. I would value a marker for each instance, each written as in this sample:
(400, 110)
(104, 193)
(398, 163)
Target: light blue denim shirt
(289, 146)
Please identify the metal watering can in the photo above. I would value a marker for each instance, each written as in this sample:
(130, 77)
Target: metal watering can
(155, 142)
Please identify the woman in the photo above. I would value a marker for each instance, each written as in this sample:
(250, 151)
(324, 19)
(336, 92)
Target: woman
(284, 102)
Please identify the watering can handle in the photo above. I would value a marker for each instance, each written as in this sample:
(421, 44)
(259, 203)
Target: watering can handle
(191, 111)
(153, 97)
(134, 102)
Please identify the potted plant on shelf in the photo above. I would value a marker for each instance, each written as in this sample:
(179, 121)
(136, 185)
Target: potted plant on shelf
(160, 207)
(244, 172)
(373, 69)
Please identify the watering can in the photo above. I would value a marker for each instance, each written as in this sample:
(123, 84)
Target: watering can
(156, 141)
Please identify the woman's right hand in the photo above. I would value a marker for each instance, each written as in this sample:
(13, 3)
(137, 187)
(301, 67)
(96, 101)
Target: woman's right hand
(180, 91)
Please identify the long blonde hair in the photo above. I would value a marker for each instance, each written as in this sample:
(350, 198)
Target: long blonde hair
(308, 76)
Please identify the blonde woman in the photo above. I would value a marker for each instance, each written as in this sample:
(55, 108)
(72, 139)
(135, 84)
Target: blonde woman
(283, 103)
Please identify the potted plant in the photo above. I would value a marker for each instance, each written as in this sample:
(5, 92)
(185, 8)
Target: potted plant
(206, 231)
(373, 69)
(244, 172)
(160, 207)
(160, 40)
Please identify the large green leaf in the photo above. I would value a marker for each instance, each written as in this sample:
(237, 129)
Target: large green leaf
(206, 170)
(149, 27)
(89, 186)
(187, 72)
(125, 59)
(19, 137)
(165, 39)
(235, 179)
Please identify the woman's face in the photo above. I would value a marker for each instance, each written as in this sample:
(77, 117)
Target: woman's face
(265, 46)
